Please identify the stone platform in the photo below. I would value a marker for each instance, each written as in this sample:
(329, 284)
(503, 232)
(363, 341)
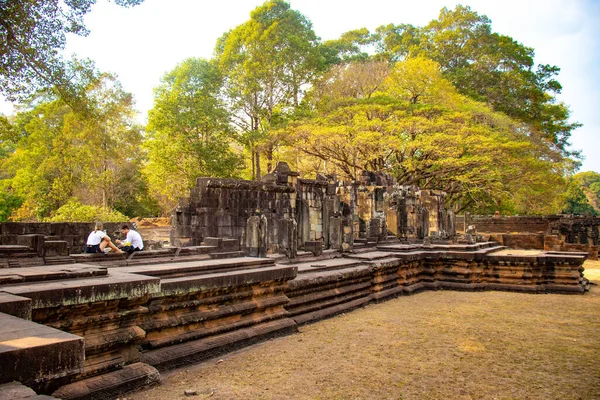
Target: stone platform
(109, 328)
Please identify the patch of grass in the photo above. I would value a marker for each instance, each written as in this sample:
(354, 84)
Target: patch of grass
(433, 345)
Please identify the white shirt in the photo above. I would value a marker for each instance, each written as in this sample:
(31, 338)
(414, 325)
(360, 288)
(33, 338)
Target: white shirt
(95, 238)
(135, 239)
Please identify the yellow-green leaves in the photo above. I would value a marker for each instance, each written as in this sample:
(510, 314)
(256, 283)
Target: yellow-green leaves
(419, 80)
(189, 132)
(412, 123)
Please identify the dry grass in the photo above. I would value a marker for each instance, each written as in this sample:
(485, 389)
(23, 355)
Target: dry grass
(433, 345)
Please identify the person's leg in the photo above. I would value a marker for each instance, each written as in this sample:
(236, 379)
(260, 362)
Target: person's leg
(110, 244)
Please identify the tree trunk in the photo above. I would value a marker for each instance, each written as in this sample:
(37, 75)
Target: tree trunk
(258, 165)
(269, 159)
(253, 167)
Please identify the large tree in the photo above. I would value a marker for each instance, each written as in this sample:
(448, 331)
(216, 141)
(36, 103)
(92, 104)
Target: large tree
(61, 155)
(482, 64)
(413, 124)
(32, 35)
(189, 132)
(267, 61)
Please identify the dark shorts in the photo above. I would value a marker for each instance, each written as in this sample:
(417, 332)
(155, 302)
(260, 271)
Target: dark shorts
(94, 248)
(130, 249)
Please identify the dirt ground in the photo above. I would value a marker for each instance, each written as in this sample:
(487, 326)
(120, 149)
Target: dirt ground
(433, 345)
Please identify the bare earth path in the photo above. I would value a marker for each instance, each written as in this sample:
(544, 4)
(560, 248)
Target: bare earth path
(433, 345)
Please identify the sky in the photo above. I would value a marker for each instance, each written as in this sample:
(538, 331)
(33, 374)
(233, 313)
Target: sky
(142, 43)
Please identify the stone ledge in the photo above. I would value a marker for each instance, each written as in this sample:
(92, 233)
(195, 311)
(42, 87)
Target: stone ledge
(32, 353)
(197, 267)
(110, 385)
(202, 349)
(87, 290)
(187, 284)
(17, 306)
(49, 273)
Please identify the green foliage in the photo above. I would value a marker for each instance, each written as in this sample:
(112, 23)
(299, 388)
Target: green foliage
(481, 64)
(266, 62)
(9, 202)
(32, 35)
(351, 46)
(188, 132)
(576, 201)
(416, 126)
(495, 68)
(60, 153)
(74, 211)
(583, 194)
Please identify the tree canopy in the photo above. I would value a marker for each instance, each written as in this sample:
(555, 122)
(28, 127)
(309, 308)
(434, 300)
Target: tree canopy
(61, 154)
(188, 130)
(266, 63)
(32, 36)
(450, 105)
(412, 123)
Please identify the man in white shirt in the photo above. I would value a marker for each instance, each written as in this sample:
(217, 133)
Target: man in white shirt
(98, 240)
(133, 240)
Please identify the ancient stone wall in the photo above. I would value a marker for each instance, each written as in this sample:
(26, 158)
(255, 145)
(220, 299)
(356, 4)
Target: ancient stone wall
(136, 318)
(71, 235)
(323, 212)
(554, 232)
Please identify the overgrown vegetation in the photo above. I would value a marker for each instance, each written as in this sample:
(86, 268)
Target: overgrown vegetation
(451, 105)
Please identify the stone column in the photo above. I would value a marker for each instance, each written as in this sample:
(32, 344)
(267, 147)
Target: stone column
(252, 236)
(375, 229)
(288, 237)
(263, 234)
(451, 224)
(336, 232)
(256, 236)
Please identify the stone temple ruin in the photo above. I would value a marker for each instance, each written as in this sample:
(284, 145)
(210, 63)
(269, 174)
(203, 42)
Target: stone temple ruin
(248, 261)
(302, 213)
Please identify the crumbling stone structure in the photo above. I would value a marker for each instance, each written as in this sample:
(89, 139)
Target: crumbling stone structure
(109, 324)
(552, 233)
(335, 213)
(103, 324)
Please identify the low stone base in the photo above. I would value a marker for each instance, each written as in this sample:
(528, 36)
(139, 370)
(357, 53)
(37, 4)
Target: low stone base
(110, 385)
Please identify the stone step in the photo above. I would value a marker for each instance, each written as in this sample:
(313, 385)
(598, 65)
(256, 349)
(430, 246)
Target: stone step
(112, 384)
(58, 260)
(202, 349)
(49, 273)
(84, 290)
(230, 254)
(197, 267)
(17, 306)
(31, 353)
(18, 391)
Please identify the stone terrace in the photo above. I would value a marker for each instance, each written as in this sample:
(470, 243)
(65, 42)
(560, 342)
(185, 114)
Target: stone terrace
(94, 330)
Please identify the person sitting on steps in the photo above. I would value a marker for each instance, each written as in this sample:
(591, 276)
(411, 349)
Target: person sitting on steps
(133, 240)
(98, 240)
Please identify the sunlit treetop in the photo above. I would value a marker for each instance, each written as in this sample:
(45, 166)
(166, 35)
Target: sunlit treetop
(32, 36)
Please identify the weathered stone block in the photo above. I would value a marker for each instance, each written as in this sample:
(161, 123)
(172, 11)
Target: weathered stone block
(50, 353)
(33, 241)
(314, 246)
(130, 377)
(55, 248)
(16, 306)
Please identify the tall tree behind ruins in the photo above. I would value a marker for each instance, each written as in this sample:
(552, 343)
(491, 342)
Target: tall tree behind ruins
(451, 105)
(188, 132)
(267, 62)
